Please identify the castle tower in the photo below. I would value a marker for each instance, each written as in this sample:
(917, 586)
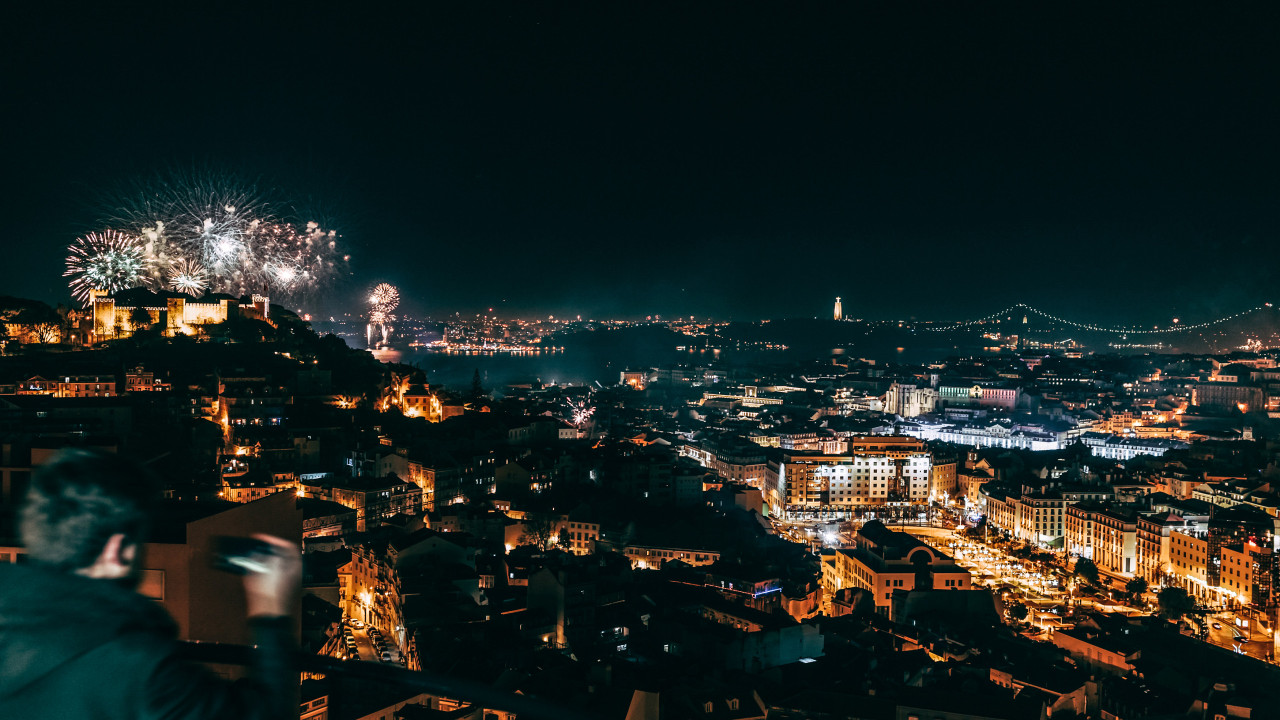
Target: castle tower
(839, 310)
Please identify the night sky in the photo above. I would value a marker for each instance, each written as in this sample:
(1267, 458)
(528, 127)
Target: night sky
(931, 160)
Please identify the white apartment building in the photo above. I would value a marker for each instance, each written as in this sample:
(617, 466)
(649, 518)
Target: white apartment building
(869, 479)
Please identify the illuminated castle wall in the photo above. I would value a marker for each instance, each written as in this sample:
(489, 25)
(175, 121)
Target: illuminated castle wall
(111, 320)
(178, 314)
(186, 316)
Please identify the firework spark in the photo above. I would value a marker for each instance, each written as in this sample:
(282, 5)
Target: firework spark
(382, 300)
(230, 229)
(108, 261)
(580, 412)
(188, 276)
(384, 297)
(291, 259)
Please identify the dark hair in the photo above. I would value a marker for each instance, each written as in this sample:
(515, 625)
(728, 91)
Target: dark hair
(78, 500)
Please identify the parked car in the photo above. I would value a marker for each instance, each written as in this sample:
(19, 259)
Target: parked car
(385, 656)
(1217, 626)
(357, 624)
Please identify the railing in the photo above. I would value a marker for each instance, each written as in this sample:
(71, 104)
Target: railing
(476, 694)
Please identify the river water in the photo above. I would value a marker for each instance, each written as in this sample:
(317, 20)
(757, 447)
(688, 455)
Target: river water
(601, 356)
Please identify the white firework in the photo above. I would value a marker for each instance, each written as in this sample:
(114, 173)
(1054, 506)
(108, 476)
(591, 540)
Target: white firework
(188, 276)
(384, 297)
(108, 261)
(231, 230)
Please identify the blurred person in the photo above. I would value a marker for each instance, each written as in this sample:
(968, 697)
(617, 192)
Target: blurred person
(76, 640)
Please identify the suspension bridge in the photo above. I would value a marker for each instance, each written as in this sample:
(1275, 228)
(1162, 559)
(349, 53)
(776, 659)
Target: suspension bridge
(1022, 308)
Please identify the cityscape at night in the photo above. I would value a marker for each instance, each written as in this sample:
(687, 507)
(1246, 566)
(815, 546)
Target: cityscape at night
(642, 362)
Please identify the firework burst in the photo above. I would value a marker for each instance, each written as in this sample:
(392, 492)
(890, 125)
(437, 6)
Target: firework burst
(188, 276)
(580, 412)
(108, 261)
(231, 230)
(384, 297)
(291, 259)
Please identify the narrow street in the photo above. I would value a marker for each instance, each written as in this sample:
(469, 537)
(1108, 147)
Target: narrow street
(364, 646)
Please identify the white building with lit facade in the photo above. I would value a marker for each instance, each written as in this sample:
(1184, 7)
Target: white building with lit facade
(1114, 447)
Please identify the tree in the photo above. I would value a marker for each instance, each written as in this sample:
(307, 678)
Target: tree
(1136, 587)
(1175, 603)
(538, 529)
(477, 389)
(1019, 612)
(139, 318)
(47, 332)
(1087, 571)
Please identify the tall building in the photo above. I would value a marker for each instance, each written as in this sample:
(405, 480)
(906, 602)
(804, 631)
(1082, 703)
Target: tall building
(839, 310)
(874, 472)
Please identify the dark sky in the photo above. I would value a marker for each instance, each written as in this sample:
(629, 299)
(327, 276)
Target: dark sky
(936, 160)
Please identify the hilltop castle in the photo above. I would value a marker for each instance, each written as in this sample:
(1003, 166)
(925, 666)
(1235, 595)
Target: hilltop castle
(113, 316)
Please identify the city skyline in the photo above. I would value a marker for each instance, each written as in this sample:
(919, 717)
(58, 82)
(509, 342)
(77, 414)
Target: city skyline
(640, 360)
(1116, 163)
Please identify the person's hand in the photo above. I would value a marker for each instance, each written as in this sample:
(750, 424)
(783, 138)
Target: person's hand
(271, 593)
